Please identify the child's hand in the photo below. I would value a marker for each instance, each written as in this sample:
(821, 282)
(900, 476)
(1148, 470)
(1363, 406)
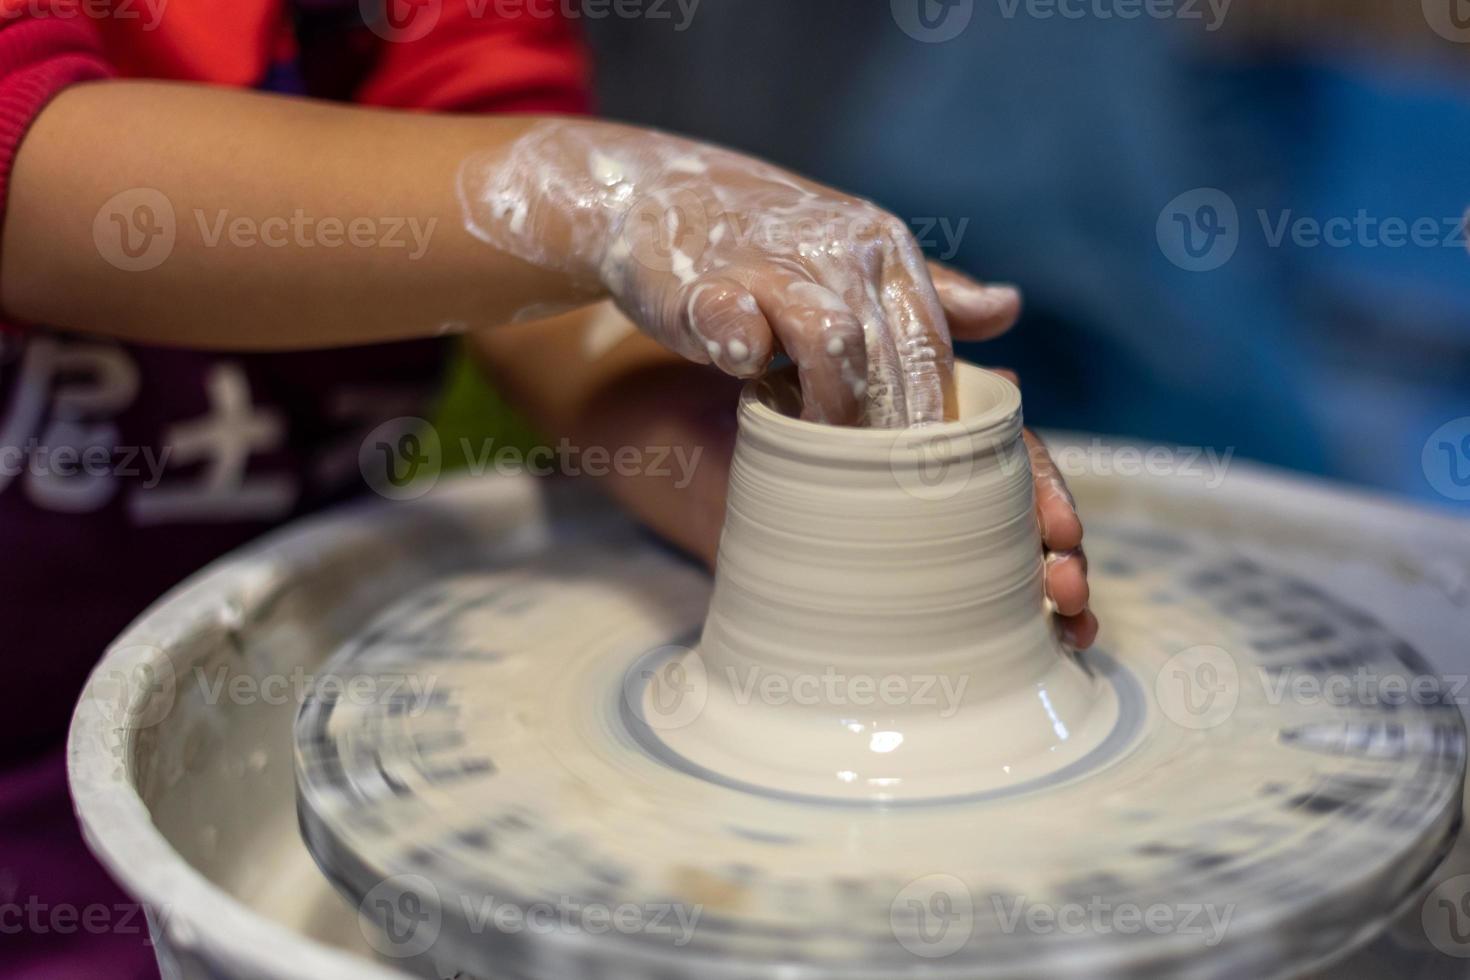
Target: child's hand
(724, 258)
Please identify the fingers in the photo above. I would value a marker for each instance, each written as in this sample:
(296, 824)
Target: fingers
(975, 311)
(921, 335)
(1061, 536)
(887, 396)
(1066, 581)
(825, 340)
(1056, 513)
(725, 326)
(1080, 631)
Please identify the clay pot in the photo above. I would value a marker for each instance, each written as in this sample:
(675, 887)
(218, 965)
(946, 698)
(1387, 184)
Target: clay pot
(879, 628)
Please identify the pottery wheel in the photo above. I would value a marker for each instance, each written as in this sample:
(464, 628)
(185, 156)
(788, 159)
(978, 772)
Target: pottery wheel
(488, 763)
(862, 751)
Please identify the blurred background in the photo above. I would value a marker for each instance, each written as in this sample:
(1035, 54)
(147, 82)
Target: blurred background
(1237, 223)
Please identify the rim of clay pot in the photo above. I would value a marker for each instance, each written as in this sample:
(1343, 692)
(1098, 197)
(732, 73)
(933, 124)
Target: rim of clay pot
(990, 412)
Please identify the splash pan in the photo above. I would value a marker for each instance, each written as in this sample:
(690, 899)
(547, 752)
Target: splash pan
(495, 797)
(862, 752)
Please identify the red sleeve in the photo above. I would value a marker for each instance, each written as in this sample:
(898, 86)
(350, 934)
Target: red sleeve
(464, 56)
(41, 52)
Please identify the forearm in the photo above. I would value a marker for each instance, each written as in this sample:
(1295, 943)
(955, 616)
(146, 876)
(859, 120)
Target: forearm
(287, 223)
(557, 371)
(590, 378)
(296, 223)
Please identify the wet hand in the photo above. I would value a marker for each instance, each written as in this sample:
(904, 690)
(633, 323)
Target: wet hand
(726, 259)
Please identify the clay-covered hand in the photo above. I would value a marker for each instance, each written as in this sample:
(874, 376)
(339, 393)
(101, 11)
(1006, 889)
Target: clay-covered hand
(726, 259)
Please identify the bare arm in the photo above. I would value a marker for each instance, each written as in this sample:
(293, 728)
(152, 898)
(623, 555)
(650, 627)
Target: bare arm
(263, 192)
(191, 215)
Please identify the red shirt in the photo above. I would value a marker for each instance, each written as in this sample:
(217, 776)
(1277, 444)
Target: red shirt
(192, 453)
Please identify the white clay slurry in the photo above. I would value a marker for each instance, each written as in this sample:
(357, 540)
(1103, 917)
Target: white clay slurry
(712, 253)
(539, 773)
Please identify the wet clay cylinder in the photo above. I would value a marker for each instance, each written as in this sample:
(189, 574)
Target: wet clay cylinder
(878, 629)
